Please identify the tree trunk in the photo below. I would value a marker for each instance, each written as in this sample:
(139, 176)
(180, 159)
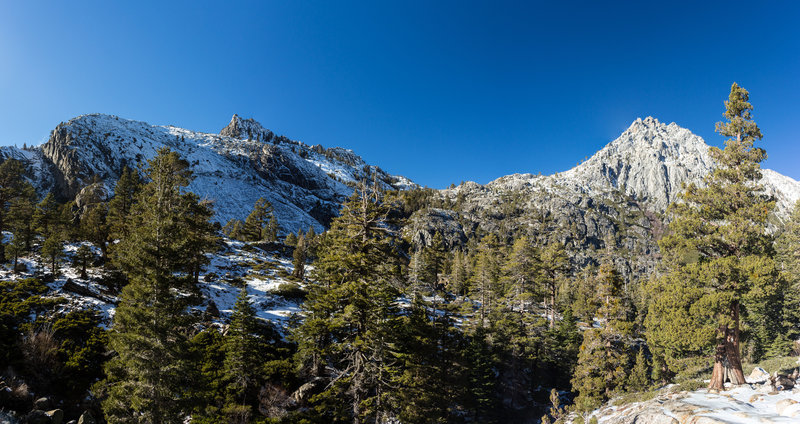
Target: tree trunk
(727, 363)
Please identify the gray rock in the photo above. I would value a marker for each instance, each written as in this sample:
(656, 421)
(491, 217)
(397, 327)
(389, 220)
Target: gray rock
(56, 416)
(86, 418)
(37, 416)
(43, 403)
(759, 375)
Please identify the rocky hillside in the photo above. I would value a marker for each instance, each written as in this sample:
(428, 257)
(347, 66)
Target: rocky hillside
(245, 161)
(617, 196)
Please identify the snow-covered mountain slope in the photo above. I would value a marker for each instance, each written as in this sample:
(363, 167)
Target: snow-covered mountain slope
(617, 196)
(305, 184)
(650, 162)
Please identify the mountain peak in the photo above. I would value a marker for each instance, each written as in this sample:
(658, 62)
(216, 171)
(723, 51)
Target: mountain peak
(246, 129)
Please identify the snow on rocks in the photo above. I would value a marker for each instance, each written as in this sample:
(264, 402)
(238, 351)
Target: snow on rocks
(739, 405)
(262, 271)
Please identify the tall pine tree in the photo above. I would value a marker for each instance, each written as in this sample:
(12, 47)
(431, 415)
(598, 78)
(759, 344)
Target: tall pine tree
(717, 253)
(146, 381)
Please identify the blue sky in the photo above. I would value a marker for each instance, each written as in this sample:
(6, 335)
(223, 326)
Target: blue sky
(439, 91)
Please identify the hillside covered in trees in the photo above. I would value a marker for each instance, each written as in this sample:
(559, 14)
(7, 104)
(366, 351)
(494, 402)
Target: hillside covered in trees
(128, 297)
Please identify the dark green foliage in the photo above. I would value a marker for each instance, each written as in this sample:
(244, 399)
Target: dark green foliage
(53, 250)
(83, 257)
(119, 207)
(299, 258)
(149, 378)
(82, 352)
(639, 377)
(603, 358)
(12, 186)
(241, 365)
(787, 247)
(260, 225)
(21, 303)
(350, 312)
(94, 226)
(719, 259)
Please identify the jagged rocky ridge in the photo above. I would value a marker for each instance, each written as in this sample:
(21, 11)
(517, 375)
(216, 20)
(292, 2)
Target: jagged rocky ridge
(617, 197)
(305, 184)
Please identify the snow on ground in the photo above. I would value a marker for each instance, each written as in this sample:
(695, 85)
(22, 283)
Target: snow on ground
(749, 403)
(236, 265)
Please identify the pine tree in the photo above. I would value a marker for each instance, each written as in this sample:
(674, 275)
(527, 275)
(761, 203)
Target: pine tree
(241, 360)
(94, 227)
(20, 217)
(787, 247)
(554, 266)
(290, 240)
(53, 249)
(639, 378)
(486, 276)
(147, 380)
(83, 256)
(256, 226)
(14, 250)
(717, 254)
(603, 358)
(119, 207)
(521, 268)
(48, 217)
(351, 311)
(299, 258)
(12, 185)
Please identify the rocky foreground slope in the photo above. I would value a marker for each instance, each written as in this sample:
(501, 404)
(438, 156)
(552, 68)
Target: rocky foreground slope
(757, 402)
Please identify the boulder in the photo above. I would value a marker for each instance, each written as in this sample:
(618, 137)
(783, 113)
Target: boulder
(758, 376)
(56, 416)
(86, 418)
(43, 403)
(37, 416)
(782, 405)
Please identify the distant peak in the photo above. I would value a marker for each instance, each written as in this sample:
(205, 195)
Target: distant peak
(246, 129)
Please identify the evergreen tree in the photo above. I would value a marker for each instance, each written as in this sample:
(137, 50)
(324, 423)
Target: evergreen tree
(521, 268)
(147, 380)
(486, 276)
(351, 312)
(53, 249)
(94, 227)
(717, 254)
(299, 258)
(83, 256)
(242, 360)
(14, 250)
(554, 267)
(290, 240)
(119, 207)
(12, 185)
(639, 378)
(787, 248)
(603, 358)
(234, 229)
(257, 225)
(48, 217)
(20, 218)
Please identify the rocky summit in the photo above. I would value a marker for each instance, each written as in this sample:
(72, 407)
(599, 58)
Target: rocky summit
(305, 184)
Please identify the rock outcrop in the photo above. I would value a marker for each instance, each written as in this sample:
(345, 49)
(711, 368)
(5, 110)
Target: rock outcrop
(305, 184)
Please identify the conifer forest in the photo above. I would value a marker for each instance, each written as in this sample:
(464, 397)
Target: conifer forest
(125, 300)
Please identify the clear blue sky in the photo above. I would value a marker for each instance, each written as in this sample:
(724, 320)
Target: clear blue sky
(439, 91)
